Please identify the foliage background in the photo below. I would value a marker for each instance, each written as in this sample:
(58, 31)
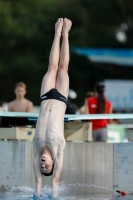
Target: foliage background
(26, 34)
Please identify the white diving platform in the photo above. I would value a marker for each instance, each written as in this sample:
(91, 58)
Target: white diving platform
(76, 127)
(34, 116)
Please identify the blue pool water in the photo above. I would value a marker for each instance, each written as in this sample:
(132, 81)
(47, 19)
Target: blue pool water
(65, 193)
(83, 197)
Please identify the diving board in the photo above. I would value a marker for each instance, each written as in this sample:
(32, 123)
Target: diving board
(19, 114)
(69, 117)
(22, 122)
(98, 116)
(23, 118)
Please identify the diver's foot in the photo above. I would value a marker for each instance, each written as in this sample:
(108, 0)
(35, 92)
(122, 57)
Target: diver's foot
(66, 26)
(58, 26)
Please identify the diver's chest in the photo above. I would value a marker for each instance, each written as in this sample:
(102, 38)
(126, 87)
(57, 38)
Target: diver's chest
(54, 138)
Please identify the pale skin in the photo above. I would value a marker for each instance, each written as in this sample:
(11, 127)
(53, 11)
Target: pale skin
(20, 104)
(84, 109)
(49, 142)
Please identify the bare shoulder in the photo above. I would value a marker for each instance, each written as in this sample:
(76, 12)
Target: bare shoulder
(11, 103)
(29, 105)
(28, 102)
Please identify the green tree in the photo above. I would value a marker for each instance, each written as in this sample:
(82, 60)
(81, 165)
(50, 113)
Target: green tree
(26, 34)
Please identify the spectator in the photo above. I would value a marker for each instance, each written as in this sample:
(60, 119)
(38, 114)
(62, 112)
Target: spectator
(99, 105)
(1, 104)
(20, 104)
(87, 95)
(71, 109)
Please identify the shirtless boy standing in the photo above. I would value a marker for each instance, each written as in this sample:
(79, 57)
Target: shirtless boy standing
(20, 104)
(49, 142)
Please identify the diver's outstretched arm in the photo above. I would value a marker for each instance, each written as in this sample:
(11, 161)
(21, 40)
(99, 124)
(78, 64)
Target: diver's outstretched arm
(57, 173)
(38, 175)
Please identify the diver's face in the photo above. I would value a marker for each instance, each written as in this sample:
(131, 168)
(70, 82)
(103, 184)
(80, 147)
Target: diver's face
(46, 164)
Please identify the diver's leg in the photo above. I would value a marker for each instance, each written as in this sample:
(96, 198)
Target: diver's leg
(62, 81)
(49, 79)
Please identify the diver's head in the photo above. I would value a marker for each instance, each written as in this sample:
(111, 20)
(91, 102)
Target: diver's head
(46, 164)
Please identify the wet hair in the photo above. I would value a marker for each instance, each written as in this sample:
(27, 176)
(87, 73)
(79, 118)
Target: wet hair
(21, 84)
(101, 100)
(48, 174)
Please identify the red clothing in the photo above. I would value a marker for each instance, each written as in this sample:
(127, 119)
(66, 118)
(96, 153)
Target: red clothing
(92, 104)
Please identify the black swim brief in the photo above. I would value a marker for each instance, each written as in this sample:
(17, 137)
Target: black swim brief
(53, 94)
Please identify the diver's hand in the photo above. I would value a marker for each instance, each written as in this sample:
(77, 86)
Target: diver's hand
(38, 187)
(36, 198)
(55, 188)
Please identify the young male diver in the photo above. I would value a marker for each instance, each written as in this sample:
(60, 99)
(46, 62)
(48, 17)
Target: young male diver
(49, 142)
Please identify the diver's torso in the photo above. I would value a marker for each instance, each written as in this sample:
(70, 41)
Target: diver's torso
(50, 125)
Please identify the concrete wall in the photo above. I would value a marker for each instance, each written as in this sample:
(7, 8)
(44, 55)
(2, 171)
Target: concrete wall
(12, 164)
(84, 163)
(89, 163)
(123, 167)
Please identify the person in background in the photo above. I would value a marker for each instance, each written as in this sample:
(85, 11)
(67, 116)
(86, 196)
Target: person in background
(1, 109)
(20, 104)
(71, 109)
(99, 105)
(1, 104)
(87, 96)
